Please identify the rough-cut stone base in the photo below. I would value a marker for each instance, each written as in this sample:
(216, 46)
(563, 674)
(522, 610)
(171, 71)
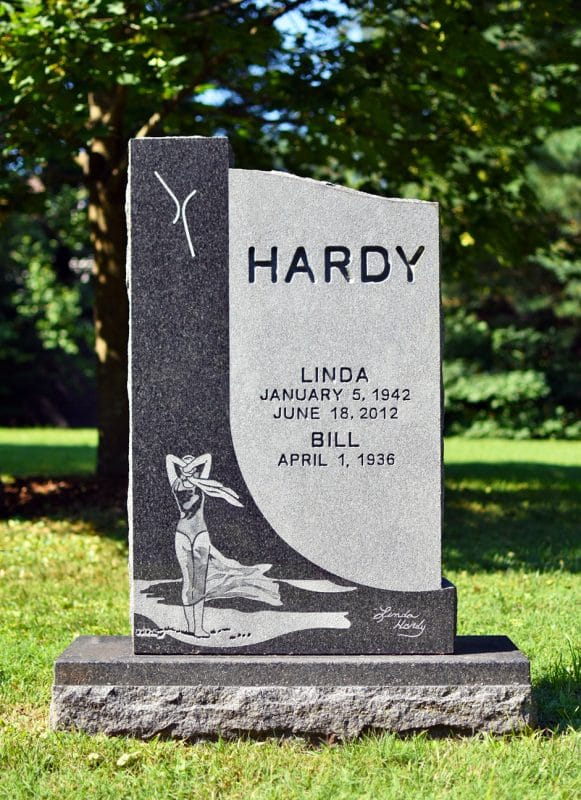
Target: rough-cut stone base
(189, 712)
(484, 687)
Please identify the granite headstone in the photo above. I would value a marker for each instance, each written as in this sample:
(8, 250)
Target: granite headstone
(285, 471)
(286, 450)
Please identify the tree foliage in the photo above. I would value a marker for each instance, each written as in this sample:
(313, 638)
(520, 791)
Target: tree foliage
(468, 103)
(472, 104)
(78, 79)
(46, 325)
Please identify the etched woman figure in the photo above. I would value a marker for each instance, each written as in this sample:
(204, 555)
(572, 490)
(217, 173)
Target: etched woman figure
(190, 482)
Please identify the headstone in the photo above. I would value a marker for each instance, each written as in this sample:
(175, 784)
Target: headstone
(285, 470)
(286, 412)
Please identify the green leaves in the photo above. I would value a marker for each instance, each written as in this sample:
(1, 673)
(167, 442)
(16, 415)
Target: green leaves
(127, 79)
(456, 102)
(46, 328)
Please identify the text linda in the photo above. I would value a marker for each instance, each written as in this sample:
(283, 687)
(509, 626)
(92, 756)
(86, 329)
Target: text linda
(406, 623)
(371, 264)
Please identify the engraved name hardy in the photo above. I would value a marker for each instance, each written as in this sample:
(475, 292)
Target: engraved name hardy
(370, 264)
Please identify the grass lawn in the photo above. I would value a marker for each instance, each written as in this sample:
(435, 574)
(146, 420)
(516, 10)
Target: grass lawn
(512, 537)
(49, 452)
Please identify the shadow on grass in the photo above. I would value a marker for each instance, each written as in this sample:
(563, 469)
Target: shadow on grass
(520, 516)
(101, 503)
(498, 516)
(558, 693)
(512, 515)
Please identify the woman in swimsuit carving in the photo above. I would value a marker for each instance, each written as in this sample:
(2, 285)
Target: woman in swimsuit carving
(190, 482)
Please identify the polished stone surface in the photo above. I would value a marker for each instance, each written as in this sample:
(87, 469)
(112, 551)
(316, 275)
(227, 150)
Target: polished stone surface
(325, 617)
(340, 371)
(109, 660)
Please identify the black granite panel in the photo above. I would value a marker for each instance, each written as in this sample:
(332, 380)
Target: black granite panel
(179, 329)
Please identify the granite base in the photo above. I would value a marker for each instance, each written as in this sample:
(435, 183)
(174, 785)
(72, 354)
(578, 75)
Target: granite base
(101, 686)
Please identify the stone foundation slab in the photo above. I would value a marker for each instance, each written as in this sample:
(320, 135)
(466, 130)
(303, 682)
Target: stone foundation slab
(100, 686)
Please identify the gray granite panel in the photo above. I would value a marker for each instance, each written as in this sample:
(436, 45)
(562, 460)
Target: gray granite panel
(335, 374)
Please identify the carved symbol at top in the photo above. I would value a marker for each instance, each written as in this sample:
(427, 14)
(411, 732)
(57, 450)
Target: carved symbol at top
(180, 210)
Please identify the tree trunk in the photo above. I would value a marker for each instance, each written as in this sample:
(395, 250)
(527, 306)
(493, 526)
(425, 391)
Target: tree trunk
(108, 236)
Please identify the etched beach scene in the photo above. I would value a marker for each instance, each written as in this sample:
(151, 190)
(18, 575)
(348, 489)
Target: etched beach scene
(179, 608)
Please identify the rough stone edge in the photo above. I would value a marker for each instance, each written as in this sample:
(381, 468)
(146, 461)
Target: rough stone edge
(202, 712)
(276, 173)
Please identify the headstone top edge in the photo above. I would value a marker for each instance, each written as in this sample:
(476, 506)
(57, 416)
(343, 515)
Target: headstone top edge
(177, 138)
(329, 185)
(222, 142)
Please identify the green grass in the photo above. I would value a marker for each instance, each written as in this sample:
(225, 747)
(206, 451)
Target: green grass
(47, 452)
(511, 545)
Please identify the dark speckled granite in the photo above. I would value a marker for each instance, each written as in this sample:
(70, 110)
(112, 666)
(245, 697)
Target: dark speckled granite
(108, 660)
(179, 330)
(101, 687)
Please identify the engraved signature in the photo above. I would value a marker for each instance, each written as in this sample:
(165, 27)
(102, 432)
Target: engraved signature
(406, 623)
(417, 627)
